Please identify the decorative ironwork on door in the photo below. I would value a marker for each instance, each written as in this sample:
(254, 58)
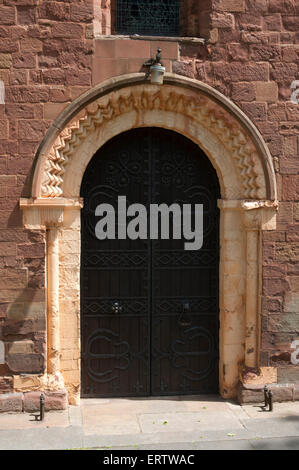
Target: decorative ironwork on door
(149, 309)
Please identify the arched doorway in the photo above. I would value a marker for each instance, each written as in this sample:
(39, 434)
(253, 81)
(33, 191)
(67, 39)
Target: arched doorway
(247, 206)
(149, 307)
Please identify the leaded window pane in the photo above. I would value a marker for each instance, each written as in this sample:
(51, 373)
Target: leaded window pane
(150, 17)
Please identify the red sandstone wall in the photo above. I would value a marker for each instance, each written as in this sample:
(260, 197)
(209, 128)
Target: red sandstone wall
(252, 57)
(47, 60)
(45, 63)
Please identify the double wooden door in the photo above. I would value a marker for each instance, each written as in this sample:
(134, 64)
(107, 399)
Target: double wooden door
(149, 308)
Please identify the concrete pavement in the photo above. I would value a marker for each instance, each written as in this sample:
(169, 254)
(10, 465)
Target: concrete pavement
(168, 423)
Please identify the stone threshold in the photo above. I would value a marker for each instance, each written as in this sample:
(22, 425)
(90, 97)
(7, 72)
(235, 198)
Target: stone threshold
(58, 399)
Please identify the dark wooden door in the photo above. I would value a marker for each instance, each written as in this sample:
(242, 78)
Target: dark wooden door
(149, 308)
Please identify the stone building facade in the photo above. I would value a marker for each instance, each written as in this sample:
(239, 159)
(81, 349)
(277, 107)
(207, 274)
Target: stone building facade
(69, 83)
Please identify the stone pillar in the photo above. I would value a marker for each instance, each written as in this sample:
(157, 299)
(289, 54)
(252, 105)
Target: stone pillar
(53, 362)
(232, 296)
(252, 296)
(57, 216)
(257, 216)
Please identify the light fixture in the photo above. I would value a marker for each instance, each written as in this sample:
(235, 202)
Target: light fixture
(156, 69)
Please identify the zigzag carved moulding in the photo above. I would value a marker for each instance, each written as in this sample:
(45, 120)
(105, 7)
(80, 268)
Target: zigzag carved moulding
(200, 109)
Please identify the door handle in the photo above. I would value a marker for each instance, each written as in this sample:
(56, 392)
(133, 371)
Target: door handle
(184, 318)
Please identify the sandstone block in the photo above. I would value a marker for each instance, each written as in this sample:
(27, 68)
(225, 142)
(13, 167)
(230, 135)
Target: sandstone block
(238, 52)
(281, 393)
(266, 91)
(26, 363)
(5, 61)
(3, 129)
(220, 20)
(54, 400)
(283, 72)
(67, 30)
(54, 11)
(271, 304)
(25, 60)
(232, 5)
(291, 23)
(273, 287)
(6, 384)
(56, 76)
(287, 252)
(236, 72)
(81, 13)
(11, 402)
(20, 347)
(282, 6)
(255, 111)
(31, 45)
(26, 15)
(132, 49)
(264, 52)
(289, 375)
(7, 15)
(32, 130)
(8, 45)
(250, 393)
(290, 188)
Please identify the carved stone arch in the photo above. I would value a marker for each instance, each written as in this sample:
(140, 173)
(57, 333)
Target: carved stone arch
(184, 105)
(248, 205)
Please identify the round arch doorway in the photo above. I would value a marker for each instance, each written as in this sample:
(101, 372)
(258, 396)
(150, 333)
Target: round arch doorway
(149, 307)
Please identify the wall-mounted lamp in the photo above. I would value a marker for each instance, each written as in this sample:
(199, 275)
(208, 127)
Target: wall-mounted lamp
(156, 69)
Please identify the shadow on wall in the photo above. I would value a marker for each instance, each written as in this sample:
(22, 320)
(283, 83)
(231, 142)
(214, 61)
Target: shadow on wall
(22, 301)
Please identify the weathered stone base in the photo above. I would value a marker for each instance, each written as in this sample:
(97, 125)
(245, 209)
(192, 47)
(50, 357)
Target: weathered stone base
(254, 393)
(30, 401)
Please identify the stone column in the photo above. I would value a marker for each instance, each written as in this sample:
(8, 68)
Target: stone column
(252, 296)
(232, 295)
(257, 216)
(53, 333)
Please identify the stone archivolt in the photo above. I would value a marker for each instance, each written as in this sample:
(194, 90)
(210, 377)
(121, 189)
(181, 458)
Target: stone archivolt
(199, 108)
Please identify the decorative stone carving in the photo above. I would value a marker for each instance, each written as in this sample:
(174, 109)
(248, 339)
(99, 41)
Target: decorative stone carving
(200, 109)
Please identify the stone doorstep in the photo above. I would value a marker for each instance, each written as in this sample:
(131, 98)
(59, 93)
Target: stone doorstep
(58, 400)
(250, 393)
(30, 401)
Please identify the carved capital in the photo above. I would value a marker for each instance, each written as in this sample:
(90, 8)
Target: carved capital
(41, 213)
(257, 215)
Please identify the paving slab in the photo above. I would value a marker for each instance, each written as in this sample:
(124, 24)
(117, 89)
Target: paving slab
(169, 438)
(192, 421)
(215, 445)
(103, 424)
(41, 439)
(29, 421)
(159, 423)
(289, 443)
(275, 427)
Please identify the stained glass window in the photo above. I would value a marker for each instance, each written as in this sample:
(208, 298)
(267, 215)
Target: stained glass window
(148, 18)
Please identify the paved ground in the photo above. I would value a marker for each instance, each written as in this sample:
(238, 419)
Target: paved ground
(176, 423)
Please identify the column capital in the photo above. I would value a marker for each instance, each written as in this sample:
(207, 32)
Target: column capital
(256, 214)
(40, 213)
